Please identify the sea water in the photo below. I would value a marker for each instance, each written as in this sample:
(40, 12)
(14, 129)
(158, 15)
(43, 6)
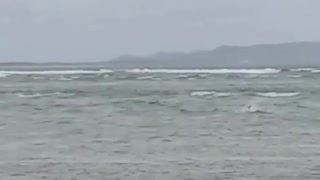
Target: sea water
(159, 124)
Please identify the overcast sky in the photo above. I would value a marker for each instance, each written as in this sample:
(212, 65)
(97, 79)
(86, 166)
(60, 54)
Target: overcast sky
(93, 30)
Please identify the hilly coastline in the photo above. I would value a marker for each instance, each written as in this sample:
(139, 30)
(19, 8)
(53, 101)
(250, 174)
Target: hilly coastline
(285, 55)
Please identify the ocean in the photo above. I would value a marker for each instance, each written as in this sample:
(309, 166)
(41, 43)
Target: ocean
(159, 124)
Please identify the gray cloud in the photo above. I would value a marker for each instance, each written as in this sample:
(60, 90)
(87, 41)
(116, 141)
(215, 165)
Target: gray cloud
(90, 30)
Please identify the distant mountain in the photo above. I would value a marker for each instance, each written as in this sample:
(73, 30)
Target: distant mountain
(285, 55)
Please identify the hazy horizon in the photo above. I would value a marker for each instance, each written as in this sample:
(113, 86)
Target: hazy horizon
(157, 53)
(98, 30)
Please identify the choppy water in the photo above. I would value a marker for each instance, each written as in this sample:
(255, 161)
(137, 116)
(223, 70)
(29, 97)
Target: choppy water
(151, 124)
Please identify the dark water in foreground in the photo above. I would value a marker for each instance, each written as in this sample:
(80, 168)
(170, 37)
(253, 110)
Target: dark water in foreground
(156, 125)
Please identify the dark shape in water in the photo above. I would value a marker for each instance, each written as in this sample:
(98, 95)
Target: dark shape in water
(257, 110)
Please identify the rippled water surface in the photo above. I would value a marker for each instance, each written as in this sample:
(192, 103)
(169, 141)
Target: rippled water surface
(144, 124)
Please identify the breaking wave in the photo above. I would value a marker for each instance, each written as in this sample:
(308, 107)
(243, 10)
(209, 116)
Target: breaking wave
(184, 76)
(203, 75)
(146, 78)
(294, 76)
(313, 70)
(65, 79)
(106, 76)
(39, 78)
(3, 75)
(37, 95)
(210, 93)
(302, 69)
(275, 94)
(54, 72)
(205, 71)
(256, 76)
(316, 71)
(256, 109)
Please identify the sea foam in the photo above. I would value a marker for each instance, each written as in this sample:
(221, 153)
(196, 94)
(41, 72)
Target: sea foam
(37, 95)
(316, 71)
(294, 76)
(210, 93)
(54, 72)
(313, 70)
(2, 75)
(205, 71)
(146, 78)
(302, 69)
(275, 94)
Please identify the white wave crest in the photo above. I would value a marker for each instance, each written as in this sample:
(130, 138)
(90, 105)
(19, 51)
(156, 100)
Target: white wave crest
(205, 71)
(203, 75)
(54, 72)
(294, 76)
(255, 108)
(259, 76)
(65, 79)
(2, 75)
(38, 78)
(249, 76)
(192, 75)
(252, 108)
(302, 69)
(36, 95)
(145, 78)
(105, 71)
(182, 76)
(106, 76)
(275, 94)
(268, 76)
(313, 70)
(210, 93)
